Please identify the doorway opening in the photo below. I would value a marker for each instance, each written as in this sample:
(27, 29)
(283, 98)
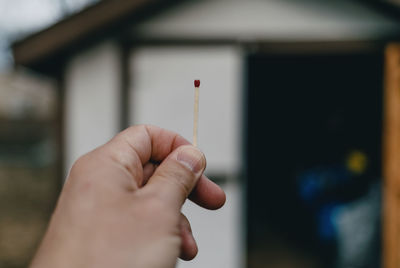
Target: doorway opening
(314, 127)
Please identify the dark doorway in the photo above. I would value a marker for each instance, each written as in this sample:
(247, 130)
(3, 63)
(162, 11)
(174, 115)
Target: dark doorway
(313, 146)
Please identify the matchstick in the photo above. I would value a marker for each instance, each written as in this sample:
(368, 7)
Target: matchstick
(196, 111)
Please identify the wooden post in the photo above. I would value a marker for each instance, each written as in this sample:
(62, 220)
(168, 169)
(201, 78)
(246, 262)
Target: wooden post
(391, 159)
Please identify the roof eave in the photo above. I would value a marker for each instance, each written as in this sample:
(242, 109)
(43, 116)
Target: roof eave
(101, 19)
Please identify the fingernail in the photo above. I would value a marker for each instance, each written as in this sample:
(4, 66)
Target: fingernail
(191, 158)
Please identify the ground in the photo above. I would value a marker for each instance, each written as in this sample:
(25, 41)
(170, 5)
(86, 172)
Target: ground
(27, 197)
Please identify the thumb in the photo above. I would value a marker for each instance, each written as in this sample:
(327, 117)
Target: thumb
(177, 175)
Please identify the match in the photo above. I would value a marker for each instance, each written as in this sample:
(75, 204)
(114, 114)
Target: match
(196, 111)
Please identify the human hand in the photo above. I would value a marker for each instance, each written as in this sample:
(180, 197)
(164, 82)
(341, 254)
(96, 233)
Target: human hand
(120, 206)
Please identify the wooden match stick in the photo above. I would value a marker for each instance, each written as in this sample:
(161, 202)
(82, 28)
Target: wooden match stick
(196, 111)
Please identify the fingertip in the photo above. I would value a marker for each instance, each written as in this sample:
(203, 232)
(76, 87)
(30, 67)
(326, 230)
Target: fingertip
(222, 199)
(208, 194)
(192, 158)
(191, 250)
(189, 247)
(178, 174)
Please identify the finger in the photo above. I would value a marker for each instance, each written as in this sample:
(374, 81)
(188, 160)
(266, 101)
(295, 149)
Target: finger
(177, 175)
(207, 194)
(189, 246)
(137, 145)
(143, 143)
(148, 171)
(148, 142)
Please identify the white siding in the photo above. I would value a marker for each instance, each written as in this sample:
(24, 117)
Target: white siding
(219, 234)
(162, 94)
(92, 98)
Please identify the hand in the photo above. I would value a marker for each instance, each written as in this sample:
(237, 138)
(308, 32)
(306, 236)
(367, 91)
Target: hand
(120, 206)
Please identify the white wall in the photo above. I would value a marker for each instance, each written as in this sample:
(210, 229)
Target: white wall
(162, 94)
(92, 99)
(219, 234)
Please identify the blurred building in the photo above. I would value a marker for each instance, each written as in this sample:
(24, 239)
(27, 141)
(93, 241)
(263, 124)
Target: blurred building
(28, 164)
(262, 64)
(27, 116)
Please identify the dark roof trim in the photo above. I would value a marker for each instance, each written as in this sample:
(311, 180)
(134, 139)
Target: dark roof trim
(387, 7)
(41, 45)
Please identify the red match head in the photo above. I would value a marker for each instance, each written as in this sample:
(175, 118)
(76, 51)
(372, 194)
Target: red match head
(196, 83)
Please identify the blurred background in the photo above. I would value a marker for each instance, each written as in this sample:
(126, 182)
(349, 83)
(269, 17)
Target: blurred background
(292, 110)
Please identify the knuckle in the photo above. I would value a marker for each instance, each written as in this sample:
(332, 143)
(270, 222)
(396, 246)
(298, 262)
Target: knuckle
(80, 172)
(78, 165)
(127, 160)
(134, 129)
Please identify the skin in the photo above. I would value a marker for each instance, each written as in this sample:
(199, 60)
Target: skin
(121, 204)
